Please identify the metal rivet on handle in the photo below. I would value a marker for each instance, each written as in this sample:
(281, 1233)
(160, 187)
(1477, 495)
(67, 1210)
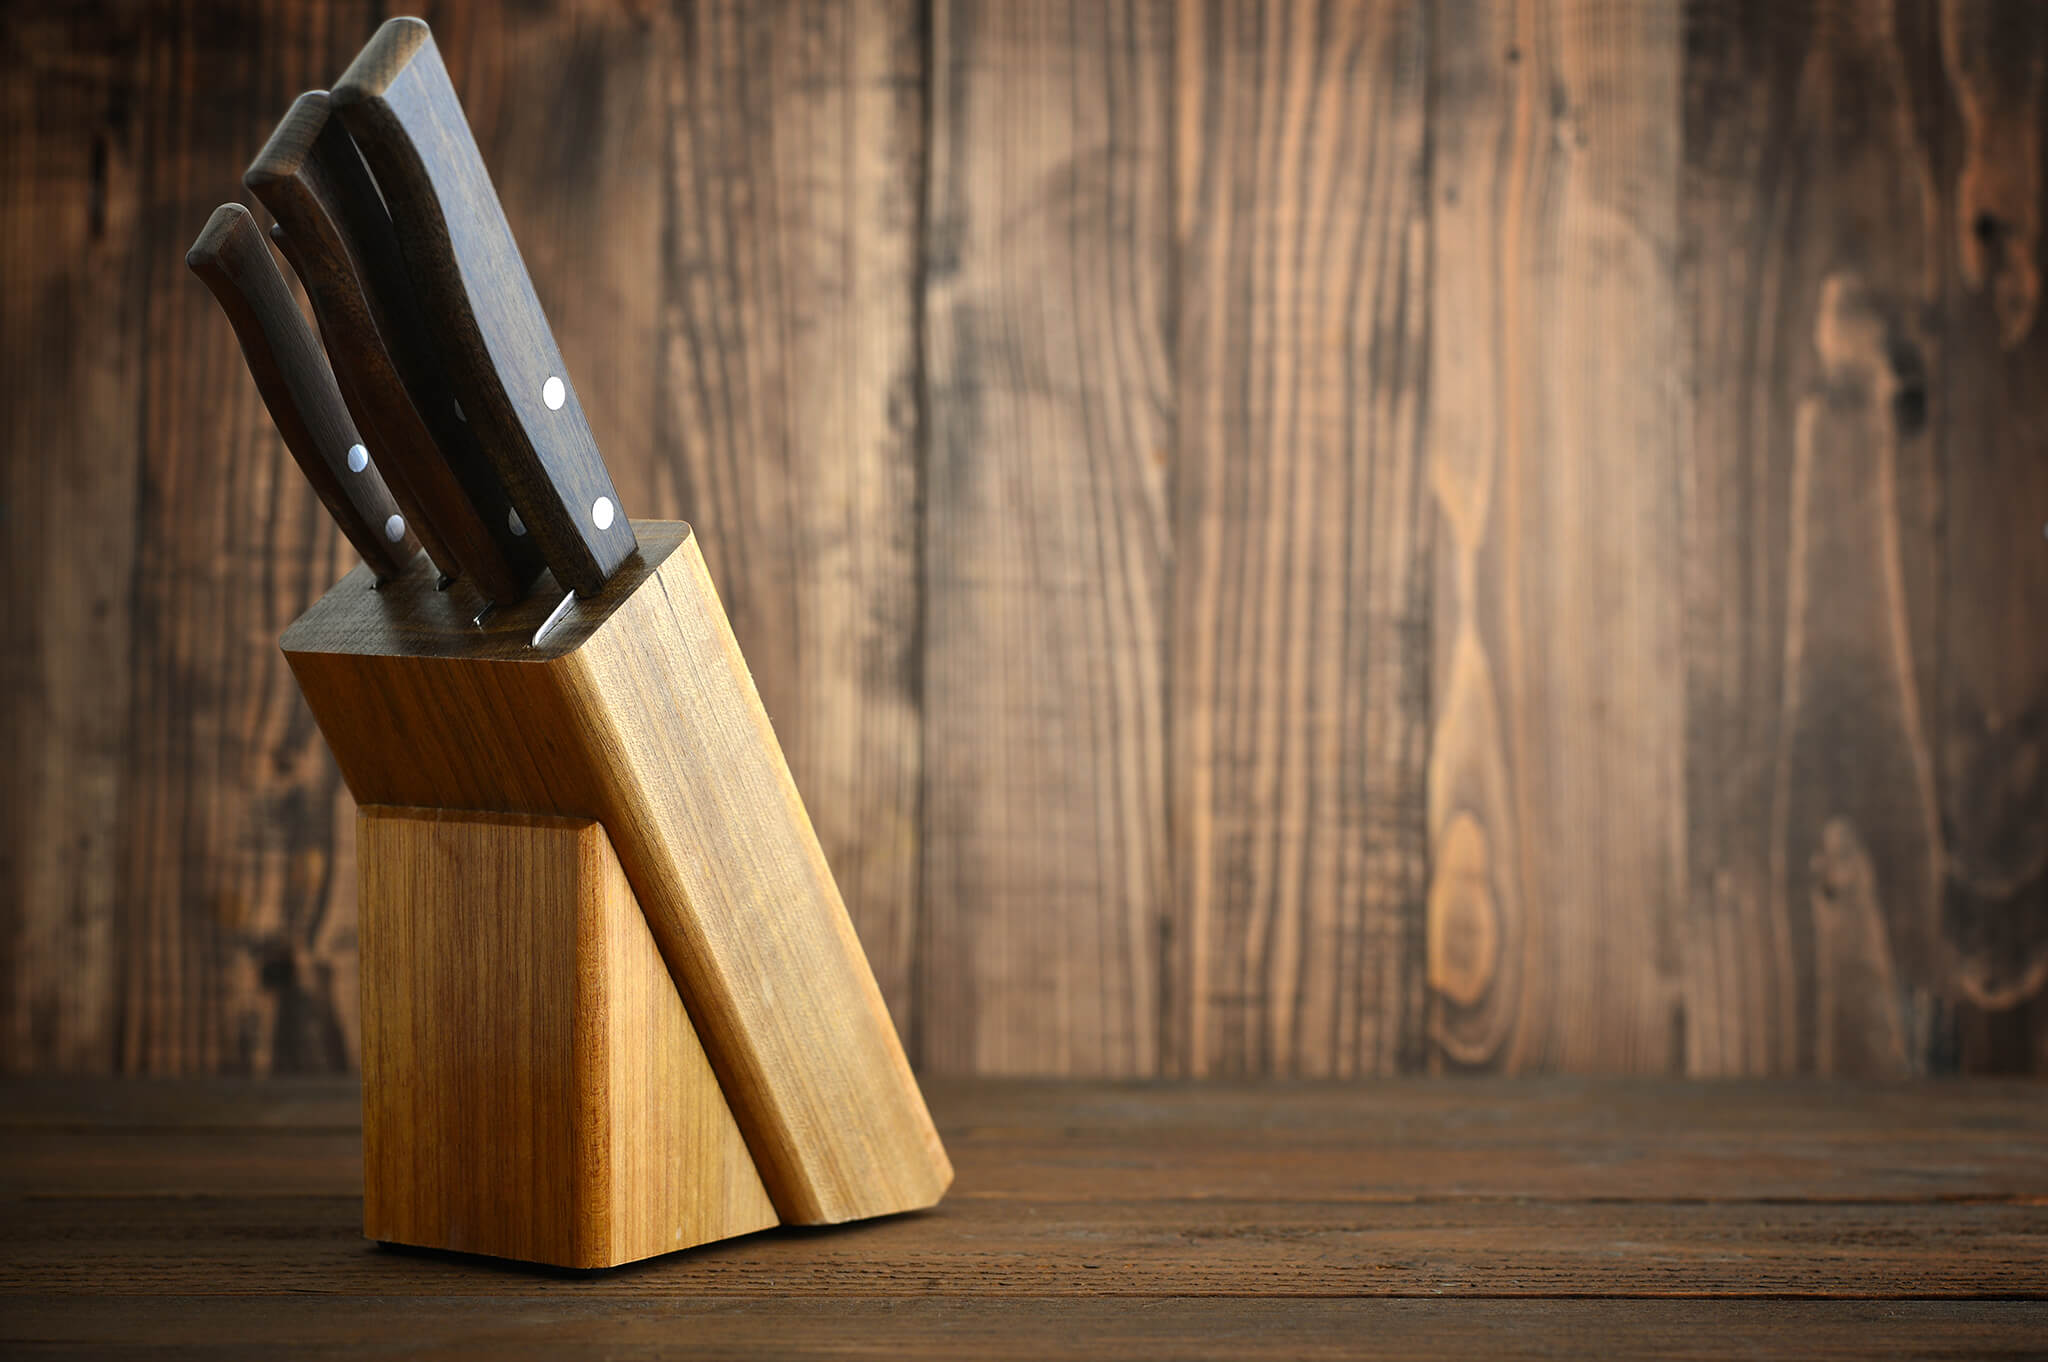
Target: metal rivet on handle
(358, 458)
(394, 528)
(553, 393)
(513, 522)
(602, 511)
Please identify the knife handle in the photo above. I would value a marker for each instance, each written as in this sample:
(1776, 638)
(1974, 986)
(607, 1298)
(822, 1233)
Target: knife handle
(377, 437)
(332, 227)
(397, 102)
(233, 261)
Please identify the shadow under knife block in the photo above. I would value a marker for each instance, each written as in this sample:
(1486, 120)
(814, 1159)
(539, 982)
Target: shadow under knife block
(529, 1090)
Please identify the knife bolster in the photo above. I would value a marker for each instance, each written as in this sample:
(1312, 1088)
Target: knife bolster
(637, 712)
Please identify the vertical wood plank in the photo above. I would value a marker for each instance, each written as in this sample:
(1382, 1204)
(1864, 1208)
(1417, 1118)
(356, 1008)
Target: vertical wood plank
(1046, 294)
(787, 421)
(1992, 753)
(70, 231)
(1742, 79)
(1300, 668)
(236, 941)
(1556, 809)
(1810, 629)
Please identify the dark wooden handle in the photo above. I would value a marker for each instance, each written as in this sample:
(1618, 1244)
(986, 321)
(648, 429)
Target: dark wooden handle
(332, 227)
(501, 357)
(378, 442)
(234, 261)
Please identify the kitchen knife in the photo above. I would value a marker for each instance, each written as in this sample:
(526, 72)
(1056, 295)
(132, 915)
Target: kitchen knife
(397, 103)
(332, 226)
(376, 434)
(234, 261)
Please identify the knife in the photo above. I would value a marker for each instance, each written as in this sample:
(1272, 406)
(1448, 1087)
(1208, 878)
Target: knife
(377, 434)
(234, 261)
(507, 373)
(332, 227)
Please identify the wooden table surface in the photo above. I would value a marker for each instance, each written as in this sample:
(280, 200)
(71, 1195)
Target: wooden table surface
(1435, 1218)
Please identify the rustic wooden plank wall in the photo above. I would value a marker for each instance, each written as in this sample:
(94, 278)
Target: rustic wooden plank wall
(1046, 288)
(1286, 538)
(1299, 695)
(1556, 380)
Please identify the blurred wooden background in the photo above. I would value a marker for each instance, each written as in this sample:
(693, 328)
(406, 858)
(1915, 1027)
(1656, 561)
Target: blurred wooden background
(1337, 538)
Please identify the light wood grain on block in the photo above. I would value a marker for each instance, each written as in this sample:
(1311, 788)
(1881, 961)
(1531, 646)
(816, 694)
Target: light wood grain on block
(638, 711)
(532, 1087)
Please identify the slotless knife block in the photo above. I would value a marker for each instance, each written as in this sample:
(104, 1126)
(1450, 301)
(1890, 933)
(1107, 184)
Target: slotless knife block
(529, 1090)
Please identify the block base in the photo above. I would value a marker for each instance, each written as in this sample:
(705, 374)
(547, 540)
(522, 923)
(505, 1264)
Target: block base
(532, 1085)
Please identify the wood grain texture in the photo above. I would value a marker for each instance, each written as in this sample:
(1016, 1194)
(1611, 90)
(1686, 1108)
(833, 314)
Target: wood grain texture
(1989, 726)
(235, 949)
(639, 712)
(1813, 822)
(1213, 1219)
(1047, 879)
(1028, 1330)
(1556, 767)
(532, 1086)
(1300, 671)
(1387, 1141)
(1137, 1249)
(792, 146)
(1038, 380)
(1742, 993)
(72, 149)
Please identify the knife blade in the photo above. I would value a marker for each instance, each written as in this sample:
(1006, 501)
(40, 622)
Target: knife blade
(507, 372)
(332, 227)
(235, 263)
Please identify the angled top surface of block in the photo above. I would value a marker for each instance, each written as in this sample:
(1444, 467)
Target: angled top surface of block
(410, 617)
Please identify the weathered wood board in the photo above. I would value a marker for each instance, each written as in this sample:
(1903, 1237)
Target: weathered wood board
(1343, 538)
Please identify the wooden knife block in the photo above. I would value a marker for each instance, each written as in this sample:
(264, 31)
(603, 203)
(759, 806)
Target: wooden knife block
(542, 824)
